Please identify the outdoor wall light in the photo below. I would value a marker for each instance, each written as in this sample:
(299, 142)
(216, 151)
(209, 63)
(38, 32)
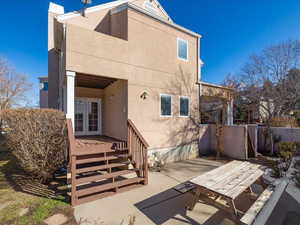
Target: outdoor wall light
(144, 95)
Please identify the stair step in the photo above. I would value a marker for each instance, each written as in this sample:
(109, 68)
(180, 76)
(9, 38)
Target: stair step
(102, 167)
(92, 150)
(99, 188)
(103, 176)
(100, 159)
(107, 194)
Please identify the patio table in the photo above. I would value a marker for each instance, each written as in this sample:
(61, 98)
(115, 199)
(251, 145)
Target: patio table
(220, 187)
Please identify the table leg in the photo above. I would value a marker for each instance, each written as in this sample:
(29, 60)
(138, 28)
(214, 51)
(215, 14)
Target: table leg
(262, 183)
(196, 195)
(234, 210)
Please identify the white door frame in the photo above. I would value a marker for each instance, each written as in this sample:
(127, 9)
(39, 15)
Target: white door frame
(85, 131)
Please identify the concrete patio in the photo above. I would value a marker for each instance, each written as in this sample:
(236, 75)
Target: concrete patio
(156, 203)
(159, 203)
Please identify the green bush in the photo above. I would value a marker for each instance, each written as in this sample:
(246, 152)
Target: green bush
(286, 150)
(297, 148)
(38, 139)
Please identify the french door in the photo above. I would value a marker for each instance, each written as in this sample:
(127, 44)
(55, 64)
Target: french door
(87, 116)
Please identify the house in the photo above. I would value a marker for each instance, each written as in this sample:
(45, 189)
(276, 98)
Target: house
(127, 59)
(43, 81)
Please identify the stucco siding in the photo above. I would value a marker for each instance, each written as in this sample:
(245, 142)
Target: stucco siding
(83, 92)
(96, 21)
(119, 25)
(146, 62)
(115, 110)
(94, 53)
(53, 65)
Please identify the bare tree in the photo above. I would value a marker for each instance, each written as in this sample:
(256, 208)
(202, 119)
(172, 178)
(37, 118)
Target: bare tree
(13, 86)
(270, 82)
(264, 79)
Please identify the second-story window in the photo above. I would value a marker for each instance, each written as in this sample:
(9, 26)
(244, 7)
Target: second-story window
(182, 49)
(45, 86)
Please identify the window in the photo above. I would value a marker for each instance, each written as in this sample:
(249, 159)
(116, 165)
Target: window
(165, 105)
(182, 49)
(184, 106)
(45, 86)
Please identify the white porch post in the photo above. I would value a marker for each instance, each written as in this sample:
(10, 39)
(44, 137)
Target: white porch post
(70, 114)
(230, 113)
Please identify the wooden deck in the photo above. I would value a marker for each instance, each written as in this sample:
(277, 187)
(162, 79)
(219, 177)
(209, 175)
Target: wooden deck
(96, 139)
(99, 165)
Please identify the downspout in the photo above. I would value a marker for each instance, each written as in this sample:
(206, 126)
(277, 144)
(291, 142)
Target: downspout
(61, 71)
(199, 77)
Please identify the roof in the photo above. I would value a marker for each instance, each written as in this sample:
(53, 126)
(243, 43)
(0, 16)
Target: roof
(43, 77)
(124, 4)
(216, 86)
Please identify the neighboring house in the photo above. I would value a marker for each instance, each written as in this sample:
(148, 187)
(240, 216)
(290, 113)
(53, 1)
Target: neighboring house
(43, 81)
(125, 60)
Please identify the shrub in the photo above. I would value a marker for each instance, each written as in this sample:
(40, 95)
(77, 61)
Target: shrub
(286, 150)
(297, 147)
(286, 121)
(277, 169)
(38, 139)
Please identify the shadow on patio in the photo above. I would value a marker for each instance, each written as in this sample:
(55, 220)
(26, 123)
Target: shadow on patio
(169, 207)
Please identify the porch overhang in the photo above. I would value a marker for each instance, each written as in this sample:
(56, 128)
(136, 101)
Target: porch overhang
(90, 81)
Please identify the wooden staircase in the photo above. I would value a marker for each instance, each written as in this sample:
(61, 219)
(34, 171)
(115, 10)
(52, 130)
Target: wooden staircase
(101, 170)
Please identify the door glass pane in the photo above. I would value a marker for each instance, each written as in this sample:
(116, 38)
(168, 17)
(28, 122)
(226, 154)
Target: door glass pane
(78, 122)
(79, 116)
(93, 116)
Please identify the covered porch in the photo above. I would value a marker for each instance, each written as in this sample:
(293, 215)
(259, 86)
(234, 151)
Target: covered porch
(96, 105)
(216, 104)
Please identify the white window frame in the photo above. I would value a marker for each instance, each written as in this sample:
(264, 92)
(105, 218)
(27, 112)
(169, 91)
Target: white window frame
(186, 97)
(160, 112)
(187, 50)
(85, 123)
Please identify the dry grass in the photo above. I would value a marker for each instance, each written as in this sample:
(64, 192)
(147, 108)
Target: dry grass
(18, 191)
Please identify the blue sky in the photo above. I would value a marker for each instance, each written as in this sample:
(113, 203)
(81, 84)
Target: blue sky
(231, 30)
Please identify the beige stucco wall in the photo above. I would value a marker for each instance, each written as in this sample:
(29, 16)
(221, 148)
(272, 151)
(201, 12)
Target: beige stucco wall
(234, 141)
(83, 92)
(216, 92)
(148, 62)
(115, 110)
(159, 71)
(98, 21)
(119, 25)
(53, 64)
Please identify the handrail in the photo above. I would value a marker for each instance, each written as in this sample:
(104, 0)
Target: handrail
(137, 147)
(138, 133)
(71, 137)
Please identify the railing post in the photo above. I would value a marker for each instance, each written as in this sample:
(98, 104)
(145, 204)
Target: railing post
(73, 181)
(145, 165)
(129, 138)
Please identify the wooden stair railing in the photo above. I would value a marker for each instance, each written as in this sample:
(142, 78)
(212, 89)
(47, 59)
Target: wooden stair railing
(138, 146)
(99, 171)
